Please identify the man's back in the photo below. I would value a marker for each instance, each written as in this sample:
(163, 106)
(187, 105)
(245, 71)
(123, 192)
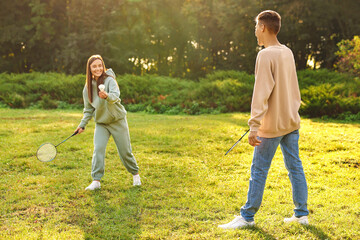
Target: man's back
(276, 98)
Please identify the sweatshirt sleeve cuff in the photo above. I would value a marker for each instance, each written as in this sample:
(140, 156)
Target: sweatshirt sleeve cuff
(111, 98)
(82, 124)
(254, 129)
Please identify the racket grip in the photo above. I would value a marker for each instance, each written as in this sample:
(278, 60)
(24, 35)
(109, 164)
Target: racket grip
(77, 131)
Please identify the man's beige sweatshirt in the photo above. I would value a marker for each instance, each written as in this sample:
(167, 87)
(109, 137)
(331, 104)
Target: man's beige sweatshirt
(276, 96)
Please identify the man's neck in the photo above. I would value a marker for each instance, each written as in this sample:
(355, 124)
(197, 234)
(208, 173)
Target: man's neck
(271, 41)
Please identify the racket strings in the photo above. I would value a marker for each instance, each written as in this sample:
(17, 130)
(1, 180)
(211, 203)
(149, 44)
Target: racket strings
(46, 152)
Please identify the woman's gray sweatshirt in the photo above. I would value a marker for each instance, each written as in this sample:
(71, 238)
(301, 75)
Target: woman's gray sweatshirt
(107, 110)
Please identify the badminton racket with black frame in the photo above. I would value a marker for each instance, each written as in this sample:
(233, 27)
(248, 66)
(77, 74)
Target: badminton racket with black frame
(47, 151)
(237, 142)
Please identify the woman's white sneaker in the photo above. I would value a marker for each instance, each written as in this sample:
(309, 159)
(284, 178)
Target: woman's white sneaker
(94, 185)
(137, 181)
(302, 220)
(238, 222)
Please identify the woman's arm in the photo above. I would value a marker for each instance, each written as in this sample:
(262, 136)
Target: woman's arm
(88, 110)
(114, 91)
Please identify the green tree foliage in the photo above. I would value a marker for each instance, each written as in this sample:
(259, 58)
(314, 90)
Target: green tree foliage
(14, 16)
(312, 28)
(178, 38)
(349, 56)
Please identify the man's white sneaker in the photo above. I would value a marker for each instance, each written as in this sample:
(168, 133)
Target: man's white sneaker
(302, 220)
(94, 185)
(137, 181)
(238, 222)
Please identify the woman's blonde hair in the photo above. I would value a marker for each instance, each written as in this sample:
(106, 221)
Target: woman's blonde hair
(89, 76)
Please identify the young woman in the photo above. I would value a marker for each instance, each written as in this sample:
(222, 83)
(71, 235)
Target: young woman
(110, 118)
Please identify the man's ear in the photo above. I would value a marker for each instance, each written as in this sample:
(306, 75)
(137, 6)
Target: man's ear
(262, 27)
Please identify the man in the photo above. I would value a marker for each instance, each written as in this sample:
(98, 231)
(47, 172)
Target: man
(274, 120)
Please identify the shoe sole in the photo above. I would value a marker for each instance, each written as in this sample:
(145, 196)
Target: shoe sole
(91, 189)
(250, 225)
(302, 222)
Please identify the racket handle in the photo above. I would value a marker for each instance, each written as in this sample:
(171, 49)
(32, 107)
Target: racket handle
(76, 132)
(237, 142)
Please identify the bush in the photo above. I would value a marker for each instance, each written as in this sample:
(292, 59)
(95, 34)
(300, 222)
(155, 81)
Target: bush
(224, 91)
(323, 100)
(349, 117)
(40, 89)
(135, 107)
(47, 103)
(223, 75)
(349, 56)
(324, 93)
(14, 100)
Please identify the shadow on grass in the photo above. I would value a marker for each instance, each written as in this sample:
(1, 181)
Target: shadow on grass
(117, 221)
(261, 233)
(316, 232)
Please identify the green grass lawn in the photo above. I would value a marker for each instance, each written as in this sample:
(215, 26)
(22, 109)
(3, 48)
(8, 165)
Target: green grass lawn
(189, 186)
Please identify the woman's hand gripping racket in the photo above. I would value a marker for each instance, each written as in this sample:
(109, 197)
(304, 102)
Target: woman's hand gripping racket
(47, 151)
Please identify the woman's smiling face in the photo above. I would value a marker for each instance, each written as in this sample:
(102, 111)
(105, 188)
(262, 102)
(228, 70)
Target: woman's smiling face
(97, 68)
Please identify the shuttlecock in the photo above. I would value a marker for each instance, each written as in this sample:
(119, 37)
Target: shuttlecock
(102, 87)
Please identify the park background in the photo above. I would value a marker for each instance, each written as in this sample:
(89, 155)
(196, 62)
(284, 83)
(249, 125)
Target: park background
(173, 59)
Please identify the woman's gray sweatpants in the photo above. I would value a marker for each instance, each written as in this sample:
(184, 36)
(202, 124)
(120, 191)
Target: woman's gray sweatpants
(120, 132)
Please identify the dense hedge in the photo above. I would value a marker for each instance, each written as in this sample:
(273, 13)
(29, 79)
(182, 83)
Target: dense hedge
(44, 90)
(219, 92)
(327, 93)
(324, 93)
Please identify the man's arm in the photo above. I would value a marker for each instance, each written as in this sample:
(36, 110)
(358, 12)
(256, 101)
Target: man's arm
(264, 84)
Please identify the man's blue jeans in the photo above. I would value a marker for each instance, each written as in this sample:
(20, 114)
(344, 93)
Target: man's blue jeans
(263, 156)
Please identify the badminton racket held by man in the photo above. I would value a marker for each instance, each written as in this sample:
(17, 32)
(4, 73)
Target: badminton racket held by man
(274, 121)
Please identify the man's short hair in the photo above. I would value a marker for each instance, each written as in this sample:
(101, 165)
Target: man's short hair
(271, 20)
